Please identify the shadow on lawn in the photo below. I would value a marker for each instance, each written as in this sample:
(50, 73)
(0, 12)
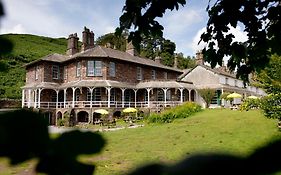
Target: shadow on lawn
(24, 135)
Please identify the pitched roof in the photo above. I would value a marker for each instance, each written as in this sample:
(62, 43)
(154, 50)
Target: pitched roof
(103, 52)
(55, 57)
(214, 70)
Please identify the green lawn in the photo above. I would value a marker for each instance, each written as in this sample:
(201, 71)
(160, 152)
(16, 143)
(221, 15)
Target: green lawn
(208, 131)
(228, 131)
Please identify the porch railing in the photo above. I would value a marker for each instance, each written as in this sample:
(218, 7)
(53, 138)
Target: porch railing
(104, 104)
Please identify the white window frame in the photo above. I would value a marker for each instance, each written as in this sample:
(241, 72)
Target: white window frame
(112, 69)
(55, 72)
(94, 68)
(36, 72)
(78, 69)
(153, 74)
(139, 73)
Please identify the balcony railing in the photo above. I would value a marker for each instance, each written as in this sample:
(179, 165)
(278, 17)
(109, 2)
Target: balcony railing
(99, 104)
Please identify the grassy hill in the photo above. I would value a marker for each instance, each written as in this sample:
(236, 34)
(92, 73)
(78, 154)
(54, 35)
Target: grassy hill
(27, 48)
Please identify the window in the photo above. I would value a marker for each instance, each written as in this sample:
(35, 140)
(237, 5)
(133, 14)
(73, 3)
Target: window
(36, 72)
(153, 74)
(169, 95)
(77, 94)
(94, 68)
(65, 72)
(55, 72)
(226, 81)
(78, 69)
(139, 73)
(112, 69)
(165, 75)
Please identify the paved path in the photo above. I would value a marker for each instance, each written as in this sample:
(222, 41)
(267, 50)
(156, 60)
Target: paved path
(59, 130)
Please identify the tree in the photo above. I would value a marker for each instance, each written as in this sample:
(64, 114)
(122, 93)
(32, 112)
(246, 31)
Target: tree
(119, 42)
(207, 94)
(270, 78)
(259, 18)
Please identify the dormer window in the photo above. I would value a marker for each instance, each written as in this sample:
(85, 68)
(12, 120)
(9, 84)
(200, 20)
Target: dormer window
(55, 72)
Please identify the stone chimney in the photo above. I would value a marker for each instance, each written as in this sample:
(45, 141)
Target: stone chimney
(130, 48)
(199, 58)
(176, 61)
(158, 59)
(88, 38)
(72, 44)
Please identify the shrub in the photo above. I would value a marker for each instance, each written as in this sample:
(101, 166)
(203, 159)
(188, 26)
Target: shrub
(182, 111)
(271, 106)
(250, 104)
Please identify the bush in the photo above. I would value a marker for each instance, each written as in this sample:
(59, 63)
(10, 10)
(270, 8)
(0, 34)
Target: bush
(271, 106)
(182, 111)
(250, 104)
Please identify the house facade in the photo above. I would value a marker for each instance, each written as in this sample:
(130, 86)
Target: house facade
(94, 77)
(219, 79)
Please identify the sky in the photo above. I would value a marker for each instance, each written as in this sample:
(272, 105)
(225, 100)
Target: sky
(59, 18)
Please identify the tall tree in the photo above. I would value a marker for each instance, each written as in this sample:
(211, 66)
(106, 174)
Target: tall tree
(270, 77)
(259, 18)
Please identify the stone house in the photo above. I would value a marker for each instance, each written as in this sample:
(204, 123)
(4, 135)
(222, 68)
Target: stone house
(94, 77)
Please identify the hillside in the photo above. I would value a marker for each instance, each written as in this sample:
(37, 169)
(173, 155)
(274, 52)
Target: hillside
(26, 49)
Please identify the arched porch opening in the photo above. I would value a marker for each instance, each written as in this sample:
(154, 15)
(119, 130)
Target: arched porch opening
(59, 119)
(48, 98)
(193, 95)
(83, 117)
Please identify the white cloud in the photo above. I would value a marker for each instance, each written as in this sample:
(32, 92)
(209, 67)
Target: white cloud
(178, 22)
(18, 28)
(239, 35)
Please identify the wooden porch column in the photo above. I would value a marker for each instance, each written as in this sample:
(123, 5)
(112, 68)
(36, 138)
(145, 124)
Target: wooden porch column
(181, 91)
(91, 98)
(148, 96)
(123, 97)
(135, 90)
(29, 98)
(64, 98)
(189, 95)
(73, 96)
(108, 96)
(165, 96)
(57, 100)
(35, 98)
(39, 97)
(22, 98)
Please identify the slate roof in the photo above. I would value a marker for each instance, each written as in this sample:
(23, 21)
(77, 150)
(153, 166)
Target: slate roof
(103, 52)
(215, 70)
(55, 57)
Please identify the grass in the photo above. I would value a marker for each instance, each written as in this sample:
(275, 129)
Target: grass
(26, 48)
(225, 131)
